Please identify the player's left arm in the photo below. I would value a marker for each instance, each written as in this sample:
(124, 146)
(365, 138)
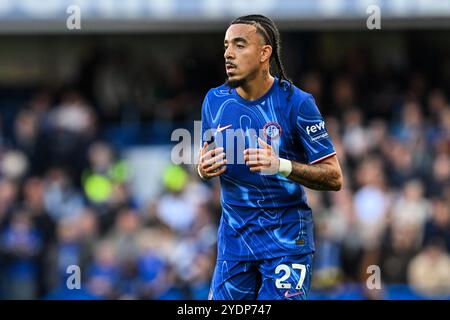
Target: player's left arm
(322, 172)
(325, 175)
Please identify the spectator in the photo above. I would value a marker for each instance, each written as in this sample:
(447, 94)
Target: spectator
(176, 200)
(33, 202)
(103, 274)
(411, 209)
(435, 284)
(438, 225)
(371, 201)
(399, 246)
(20, 244)
(61, 198)
(8, 199)
(440, 177)
(124, 236)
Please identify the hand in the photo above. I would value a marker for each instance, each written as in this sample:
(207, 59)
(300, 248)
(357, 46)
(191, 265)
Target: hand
(212, 163)
(263, 159)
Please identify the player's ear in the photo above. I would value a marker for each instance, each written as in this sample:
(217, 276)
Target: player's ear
(266, 52)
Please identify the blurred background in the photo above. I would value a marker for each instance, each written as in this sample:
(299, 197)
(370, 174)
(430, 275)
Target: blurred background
(86, 117)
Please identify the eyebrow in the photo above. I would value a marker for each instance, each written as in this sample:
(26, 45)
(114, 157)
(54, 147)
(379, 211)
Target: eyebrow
(237, 39)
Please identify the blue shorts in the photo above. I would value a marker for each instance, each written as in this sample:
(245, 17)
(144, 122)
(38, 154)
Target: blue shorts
(283, 278)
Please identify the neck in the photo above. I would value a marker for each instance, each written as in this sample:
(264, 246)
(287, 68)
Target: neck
(257, 87)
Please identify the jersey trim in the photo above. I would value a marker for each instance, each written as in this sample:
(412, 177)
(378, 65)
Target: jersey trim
(323, 158)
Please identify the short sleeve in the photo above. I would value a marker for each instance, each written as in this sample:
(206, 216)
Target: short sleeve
(312, 132)
(206, 121)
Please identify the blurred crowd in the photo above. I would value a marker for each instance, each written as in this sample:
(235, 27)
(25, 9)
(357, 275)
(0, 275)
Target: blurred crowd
(65, 196)
(65, 201)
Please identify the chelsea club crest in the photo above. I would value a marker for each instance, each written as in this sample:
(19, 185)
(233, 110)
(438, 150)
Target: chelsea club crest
(272, 130)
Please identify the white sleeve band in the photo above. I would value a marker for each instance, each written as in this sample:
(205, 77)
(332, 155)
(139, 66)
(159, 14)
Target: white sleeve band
(285, 167)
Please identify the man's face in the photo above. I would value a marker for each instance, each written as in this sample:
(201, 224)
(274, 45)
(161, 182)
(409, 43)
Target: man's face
(243, 51)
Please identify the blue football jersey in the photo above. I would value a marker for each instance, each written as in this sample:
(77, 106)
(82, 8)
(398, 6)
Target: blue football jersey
(264, 216)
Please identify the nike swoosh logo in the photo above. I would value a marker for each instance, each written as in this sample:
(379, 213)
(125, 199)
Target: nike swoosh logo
(219, 129)
(289, 295)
